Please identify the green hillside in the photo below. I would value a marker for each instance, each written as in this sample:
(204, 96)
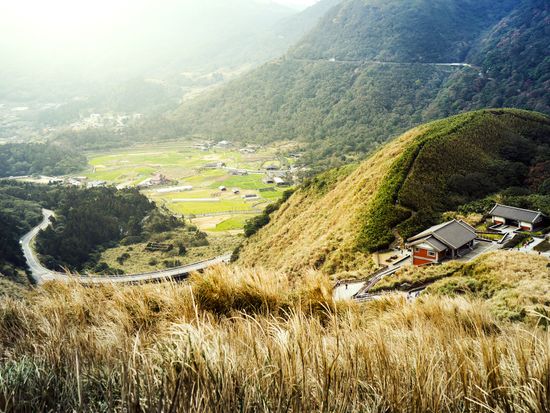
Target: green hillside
(397, 31)
(385, 77)
(336, 220)
(515, 60)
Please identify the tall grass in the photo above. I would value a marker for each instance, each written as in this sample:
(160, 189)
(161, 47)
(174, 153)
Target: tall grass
(236, 340)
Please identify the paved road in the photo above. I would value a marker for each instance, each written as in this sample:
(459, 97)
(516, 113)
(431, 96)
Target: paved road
(381, 62)
(38, 272)
(41, 274)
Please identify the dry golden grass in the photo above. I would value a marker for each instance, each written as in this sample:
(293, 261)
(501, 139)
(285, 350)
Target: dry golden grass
(309, 231)
(239, 340)
(515, 285)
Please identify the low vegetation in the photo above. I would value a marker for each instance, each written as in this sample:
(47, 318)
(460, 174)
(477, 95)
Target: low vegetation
(253, 225)
(250, 340)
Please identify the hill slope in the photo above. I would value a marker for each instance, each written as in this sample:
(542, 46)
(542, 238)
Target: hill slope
(337, 219)
(387, 75)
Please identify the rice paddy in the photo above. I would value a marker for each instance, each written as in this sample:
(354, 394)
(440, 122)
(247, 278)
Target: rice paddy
(202, 173)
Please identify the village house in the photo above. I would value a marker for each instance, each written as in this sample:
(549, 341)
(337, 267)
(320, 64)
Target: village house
(449, 240)
(157, 179)
(268, 180)
(280, 181)
(524, 219)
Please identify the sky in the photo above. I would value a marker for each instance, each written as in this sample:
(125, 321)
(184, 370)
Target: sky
(70, 36)
(301, 4)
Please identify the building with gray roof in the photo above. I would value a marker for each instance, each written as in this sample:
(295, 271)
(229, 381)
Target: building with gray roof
(524, 219)
(447, 240)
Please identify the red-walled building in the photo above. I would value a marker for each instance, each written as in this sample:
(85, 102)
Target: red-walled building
(444, 241)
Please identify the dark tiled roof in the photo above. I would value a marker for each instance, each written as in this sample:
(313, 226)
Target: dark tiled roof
(432, 241)
(517, 214)
(454, 234)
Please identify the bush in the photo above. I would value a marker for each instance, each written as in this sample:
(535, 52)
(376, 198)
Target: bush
(172, 263)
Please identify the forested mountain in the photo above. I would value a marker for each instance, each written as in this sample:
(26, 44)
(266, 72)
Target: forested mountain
(372, 69)
(396, 31)
(466, 162)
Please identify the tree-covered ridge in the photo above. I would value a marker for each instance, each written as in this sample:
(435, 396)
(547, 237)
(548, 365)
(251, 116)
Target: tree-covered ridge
(88, 219)
(18, 159)
(344, 109)
(454, 162)
(397, 31)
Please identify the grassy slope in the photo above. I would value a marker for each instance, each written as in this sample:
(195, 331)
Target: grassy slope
(318, 225)
(260, 341)
(334, 229)
(514, 285)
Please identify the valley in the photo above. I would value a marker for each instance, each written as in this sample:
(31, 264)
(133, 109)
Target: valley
(198, 179)
(275, 206)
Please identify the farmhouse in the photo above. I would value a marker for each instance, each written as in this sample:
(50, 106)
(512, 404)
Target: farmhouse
(157, 179)
(280, 181)
(524, 219)
(444, 241)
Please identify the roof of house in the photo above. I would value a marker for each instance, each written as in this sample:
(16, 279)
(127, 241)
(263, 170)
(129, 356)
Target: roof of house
(454, 234)
(432, 242)
(517, 214)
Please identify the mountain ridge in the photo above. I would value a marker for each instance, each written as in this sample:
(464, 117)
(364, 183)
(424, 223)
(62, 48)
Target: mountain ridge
(338, 219)
(342, 110)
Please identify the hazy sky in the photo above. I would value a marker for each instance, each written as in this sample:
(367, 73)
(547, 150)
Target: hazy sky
(297, 3)
(72, 36)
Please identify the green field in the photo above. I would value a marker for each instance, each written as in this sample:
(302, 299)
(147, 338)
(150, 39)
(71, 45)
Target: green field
(233, 223)
(184, 164)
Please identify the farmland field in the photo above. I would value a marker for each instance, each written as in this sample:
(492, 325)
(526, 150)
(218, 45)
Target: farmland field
(202, 170)
(214, 189)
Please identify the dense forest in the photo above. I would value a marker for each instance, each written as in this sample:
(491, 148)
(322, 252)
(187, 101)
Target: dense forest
(18, 159)
(384, 78)
(20, 205)
(396, 31)
(80, 228)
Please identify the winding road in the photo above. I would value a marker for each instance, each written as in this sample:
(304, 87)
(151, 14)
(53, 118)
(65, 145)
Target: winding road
(41, 274)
